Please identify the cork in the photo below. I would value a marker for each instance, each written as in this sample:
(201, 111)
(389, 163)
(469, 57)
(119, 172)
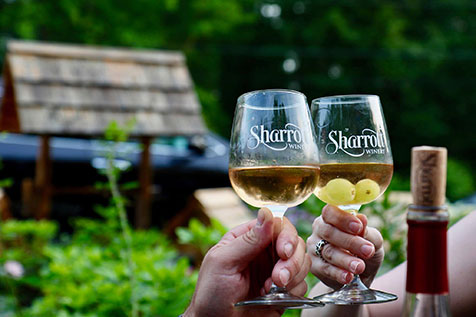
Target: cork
(428, 175)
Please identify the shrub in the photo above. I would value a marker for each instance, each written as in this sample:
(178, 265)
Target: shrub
(85, 275)
(87, 278)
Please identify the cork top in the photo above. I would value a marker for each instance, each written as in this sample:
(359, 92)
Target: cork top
(428, 175)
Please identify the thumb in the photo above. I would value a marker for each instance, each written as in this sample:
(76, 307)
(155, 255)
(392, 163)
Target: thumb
(249, 245)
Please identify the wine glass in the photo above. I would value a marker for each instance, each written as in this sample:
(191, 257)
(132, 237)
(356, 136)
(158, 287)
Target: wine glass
(356, 167)
(274, 164)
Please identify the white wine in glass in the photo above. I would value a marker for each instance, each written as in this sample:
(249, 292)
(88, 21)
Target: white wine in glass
(274, 185)
(274, 164)
(356, 167)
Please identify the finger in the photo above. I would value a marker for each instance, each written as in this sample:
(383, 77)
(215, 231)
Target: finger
(355, 244)
(374, 236)
(287, 239)
(311, 242)
(238, 253)
(302, 273)
(342, 220)
(329, 274)
(238, 231)
(299, 290)
(285, 270)
(341, 259)
(267, 286)
(335, 255)
(372, 265)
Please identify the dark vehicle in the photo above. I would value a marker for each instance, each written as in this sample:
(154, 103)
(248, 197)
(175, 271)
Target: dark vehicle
(180, 166)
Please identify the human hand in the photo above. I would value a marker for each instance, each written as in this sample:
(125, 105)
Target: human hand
(353, 248)
(239, 267)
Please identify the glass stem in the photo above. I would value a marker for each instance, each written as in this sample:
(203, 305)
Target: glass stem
(356, 283)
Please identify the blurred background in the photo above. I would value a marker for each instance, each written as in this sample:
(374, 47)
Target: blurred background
(418, 56)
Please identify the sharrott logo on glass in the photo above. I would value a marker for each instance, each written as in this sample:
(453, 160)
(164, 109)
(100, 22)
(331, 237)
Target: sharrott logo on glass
(276, 139)
(368, 142)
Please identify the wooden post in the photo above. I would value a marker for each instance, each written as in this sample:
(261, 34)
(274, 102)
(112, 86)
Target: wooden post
(43, 179)
(28, 199)
(5, 212)
(142, 216)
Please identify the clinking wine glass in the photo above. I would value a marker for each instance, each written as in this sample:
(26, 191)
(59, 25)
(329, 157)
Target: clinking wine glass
(356, 167)
(274, 164)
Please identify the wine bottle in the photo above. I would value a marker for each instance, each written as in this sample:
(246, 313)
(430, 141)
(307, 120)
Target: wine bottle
(427, 290)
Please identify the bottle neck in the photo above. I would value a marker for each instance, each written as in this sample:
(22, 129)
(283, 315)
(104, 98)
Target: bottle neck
(427, 270)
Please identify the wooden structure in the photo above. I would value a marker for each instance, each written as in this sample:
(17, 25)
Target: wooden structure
(221, 204)
(72, 90)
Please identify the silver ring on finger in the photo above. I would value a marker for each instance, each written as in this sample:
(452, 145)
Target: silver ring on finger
(320, 246)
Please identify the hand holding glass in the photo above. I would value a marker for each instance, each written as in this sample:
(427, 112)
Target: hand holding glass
(356, 168)
(274, 163)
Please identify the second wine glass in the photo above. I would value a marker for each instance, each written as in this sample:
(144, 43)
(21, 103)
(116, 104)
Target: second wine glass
(274, 164)
(356, 168)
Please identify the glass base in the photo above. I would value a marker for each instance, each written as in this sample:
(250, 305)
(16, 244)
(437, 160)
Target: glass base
(279, 298)
(355, 293)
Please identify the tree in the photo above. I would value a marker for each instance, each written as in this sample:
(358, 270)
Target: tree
(418, 56)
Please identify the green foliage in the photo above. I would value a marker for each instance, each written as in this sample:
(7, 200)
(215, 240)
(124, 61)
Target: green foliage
(200, 235)
(419, 57)
(117, 133)
(212, 110)
(34, 231)
(460, 182)
(116, 213)
(25, 242)
(85, 275)
(22, 244)
(87, 278)
(313, 205)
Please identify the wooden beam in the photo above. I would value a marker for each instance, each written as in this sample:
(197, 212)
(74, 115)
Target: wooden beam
(9, 119)
(43, 179)
(143, 215)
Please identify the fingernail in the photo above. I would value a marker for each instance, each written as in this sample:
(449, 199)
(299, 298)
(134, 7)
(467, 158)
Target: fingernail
(354, 265)
(260, 217)
(288, 249)
(346, 277)
(367, 249)
(355, 227)
(284, 276)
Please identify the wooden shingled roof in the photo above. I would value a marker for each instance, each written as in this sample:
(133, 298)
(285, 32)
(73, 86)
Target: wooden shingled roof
(58, 89)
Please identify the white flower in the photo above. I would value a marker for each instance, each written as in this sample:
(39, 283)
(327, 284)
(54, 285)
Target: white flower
(14, 268)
